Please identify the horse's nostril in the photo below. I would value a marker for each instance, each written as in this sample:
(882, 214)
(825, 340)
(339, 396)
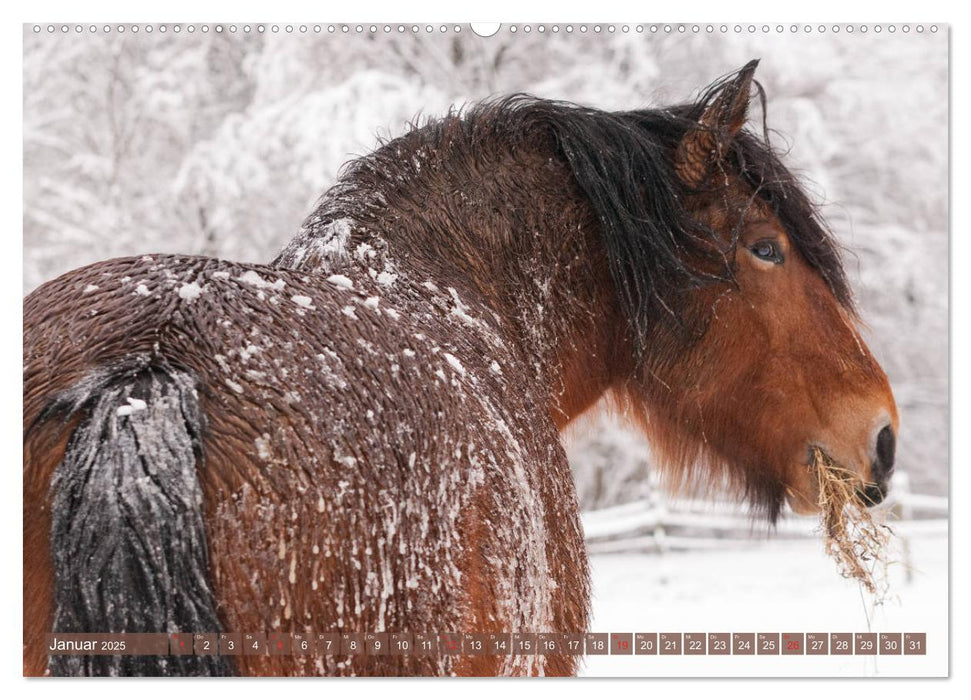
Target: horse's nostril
(873, 494)
(886, 446)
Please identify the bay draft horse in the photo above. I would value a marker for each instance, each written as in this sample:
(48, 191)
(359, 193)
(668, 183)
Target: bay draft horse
(364, 435)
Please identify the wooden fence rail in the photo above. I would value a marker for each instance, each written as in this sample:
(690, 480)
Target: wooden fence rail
(658, 524)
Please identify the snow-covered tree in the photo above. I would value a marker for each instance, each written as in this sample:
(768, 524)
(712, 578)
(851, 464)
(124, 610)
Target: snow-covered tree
(218, 144)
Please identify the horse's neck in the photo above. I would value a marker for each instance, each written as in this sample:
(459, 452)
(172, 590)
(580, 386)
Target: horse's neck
(523, 244)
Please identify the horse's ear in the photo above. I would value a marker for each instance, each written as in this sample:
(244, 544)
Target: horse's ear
(705, 144)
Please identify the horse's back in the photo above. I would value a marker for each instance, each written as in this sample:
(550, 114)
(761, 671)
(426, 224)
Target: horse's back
(365, 467)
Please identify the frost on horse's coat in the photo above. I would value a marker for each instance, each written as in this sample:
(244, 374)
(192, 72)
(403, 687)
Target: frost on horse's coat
(328, 500)
(381, 405)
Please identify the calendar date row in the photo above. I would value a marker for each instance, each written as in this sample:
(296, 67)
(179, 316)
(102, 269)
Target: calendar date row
(526, 643)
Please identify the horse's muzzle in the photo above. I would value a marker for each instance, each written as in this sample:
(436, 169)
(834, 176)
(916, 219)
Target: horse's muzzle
(881, 468)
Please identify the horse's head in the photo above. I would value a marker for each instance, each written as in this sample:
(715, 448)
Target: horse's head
(762, 360)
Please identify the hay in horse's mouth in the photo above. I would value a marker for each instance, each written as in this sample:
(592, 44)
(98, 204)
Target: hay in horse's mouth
(856, 542)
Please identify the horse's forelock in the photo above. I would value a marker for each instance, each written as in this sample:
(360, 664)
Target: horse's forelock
(761, 168)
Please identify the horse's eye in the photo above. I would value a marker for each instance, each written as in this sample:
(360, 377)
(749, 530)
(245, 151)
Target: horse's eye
(767, 250)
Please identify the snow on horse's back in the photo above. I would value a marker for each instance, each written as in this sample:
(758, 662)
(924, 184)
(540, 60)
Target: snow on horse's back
(363, 435)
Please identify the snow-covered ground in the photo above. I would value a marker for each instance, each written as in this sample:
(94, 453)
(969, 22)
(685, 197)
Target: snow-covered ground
(769, 587)
(218, 144)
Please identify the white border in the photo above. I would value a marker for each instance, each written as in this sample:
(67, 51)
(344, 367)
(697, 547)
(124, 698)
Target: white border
(603, 11)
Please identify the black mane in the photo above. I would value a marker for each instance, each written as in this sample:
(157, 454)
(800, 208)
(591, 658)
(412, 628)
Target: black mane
(623, 163)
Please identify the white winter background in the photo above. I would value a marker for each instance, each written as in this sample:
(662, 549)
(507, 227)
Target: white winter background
(218, 143)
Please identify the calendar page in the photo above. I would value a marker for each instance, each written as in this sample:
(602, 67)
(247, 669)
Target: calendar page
(543, 349)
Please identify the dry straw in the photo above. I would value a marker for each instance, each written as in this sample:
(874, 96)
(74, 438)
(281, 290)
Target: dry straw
(853, 538)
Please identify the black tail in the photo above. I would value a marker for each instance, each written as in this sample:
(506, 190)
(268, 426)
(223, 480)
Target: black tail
(128, 542)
